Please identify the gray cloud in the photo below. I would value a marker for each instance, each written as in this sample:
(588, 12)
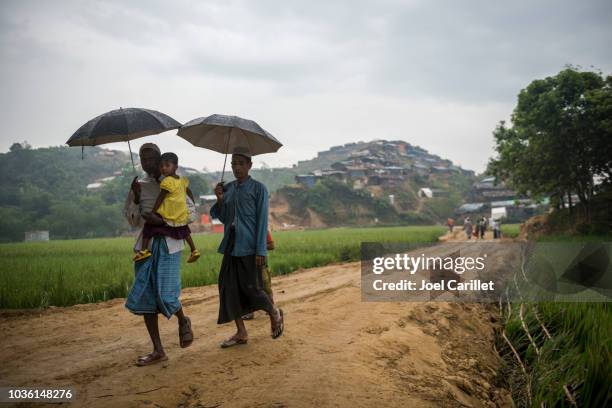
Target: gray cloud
(438, 74)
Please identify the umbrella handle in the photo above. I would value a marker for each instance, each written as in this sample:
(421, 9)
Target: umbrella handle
(225, 160)
(223, 171)
(131, 157)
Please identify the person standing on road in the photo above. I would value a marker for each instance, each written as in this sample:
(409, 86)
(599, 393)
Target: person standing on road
(482, 227)
(495, 226)
(242, 206)
(450, 223)
(467, 227)
(157, 283)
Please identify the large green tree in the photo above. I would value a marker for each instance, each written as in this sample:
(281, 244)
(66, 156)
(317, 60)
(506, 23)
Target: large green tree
(559, 142)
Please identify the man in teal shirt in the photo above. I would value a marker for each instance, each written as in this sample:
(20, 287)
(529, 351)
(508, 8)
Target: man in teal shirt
(242, 206)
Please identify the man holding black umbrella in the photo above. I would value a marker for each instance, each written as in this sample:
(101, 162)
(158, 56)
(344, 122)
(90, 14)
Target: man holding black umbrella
(242, 206)
(157, 284)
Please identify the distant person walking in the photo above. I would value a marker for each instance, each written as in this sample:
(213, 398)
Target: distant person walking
(157, 284)
(481, 227)
(495, 224)
(450, 223)
(468, 227)
(243, 209)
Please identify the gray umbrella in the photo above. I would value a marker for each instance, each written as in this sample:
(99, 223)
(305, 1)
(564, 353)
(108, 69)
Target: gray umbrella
(122, 125)
(226, 134)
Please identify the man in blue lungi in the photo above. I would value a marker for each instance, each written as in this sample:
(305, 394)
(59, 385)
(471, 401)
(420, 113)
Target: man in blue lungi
(157, 283)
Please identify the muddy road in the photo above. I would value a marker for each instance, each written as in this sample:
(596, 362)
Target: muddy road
(336, 351)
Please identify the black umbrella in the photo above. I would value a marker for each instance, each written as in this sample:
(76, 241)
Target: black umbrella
(122, 125)
(226, 134)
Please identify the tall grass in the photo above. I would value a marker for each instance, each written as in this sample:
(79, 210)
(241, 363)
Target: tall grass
(577, 356)
(62, 273)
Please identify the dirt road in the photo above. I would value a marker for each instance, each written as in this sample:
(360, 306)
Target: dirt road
(336, 351)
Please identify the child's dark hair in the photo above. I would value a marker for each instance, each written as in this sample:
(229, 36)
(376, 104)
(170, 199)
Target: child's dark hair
(170, 157)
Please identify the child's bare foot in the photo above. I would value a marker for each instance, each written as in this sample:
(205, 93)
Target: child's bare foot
(142, 254)
(195, 254)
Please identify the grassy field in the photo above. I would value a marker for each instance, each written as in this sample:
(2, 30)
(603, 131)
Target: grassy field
(62, 273)
(510, 230)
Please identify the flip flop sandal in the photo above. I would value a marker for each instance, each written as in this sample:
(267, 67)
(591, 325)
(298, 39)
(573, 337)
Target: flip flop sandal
(278, 331)
(149, 359)
(143, 254)
(232, 341)
(185, 334)
(194, 256)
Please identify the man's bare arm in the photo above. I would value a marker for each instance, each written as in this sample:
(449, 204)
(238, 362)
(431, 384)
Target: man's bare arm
(135, 186)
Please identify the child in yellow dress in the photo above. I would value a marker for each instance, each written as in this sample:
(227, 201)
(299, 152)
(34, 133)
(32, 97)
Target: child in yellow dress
(171, 206)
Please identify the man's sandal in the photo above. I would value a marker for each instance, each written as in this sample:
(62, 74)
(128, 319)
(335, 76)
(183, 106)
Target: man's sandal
(150, 359)
(233, 341)
(194, 256)
(142, 254)
(185, 334)
(277, 331)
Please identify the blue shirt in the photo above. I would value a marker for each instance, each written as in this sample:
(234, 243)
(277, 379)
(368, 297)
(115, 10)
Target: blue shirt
(245, 205)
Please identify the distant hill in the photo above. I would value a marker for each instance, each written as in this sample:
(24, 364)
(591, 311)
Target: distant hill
(383, 152)
(371, 183)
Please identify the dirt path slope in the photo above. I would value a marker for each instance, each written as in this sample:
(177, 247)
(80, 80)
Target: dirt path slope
(337, 351)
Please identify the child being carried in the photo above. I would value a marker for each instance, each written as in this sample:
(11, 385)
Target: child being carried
(171, 206)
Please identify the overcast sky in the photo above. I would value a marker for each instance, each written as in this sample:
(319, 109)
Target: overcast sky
(439, 74)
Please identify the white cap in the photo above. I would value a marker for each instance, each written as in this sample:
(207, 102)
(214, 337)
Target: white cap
(241, 150)
(151, 146)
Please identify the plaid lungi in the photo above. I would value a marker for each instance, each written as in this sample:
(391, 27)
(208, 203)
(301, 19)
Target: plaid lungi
(157, 284)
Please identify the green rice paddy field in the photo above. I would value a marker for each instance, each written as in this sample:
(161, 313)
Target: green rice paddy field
(63, 273)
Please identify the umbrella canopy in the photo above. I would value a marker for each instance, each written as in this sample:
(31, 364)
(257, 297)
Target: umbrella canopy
(227, 134)
(122, 125)
(223, 134)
